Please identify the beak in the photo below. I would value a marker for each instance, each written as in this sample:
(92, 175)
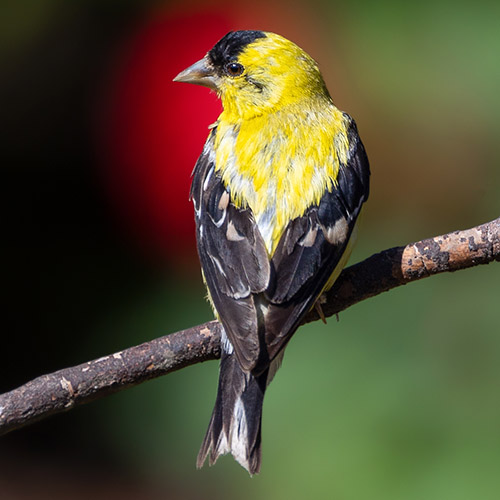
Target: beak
(200, 73)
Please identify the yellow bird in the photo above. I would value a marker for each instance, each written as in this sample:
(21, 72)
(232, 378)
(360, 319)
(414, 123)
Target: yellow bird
(277, 191)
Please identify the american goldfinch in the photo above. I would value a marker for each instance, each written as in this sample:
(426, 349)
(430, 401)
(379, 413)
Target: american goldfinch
(277, 191)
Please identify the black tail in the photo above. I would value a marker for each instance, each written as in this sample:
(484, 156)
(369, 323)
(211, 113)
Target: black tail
(236, 420)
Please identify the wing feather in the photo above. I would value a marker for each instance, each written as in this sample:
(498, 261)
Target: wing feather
(233, 256)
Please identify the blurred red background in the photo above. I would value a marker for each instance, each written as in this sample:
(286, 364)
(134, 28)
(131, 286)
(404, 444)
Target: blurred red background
(152, 130)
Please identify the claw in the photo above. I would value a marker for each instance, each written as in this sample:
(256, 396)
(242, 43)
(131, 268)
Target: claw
(320, 312)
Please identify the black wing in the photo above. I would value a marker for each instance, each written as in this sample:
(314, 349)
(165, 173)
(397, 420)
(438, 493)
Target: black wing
(233, 257)
(312, 246)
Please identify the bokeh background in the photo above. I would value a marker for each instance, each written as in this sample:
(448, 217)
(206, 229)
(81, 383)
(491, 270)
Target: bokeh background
(400, 399)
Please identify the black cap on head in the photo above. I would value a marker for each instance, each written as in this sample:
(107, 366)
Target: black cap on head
(228, 47)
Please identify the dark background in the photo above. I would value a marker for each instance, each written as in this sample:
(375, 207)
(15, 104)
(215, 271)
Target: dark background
(397, 400)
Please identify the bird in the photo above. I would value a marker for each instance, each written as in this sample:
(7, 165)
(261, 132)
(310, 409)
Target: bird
(277, 192)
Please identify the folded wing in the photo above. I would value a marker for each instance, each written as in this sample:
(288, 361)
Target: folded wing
(233, 256)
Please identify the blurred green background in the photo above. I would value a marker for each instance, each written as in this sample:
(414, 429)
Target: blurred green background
(398, 400)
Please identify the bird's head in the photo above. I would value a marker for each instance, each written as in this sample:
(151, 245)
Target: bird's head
(255, 73)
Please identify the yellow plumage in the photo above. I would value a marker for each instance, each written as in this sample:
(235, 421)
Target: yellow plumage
(272, 165)
(288, 175)
(277, 191)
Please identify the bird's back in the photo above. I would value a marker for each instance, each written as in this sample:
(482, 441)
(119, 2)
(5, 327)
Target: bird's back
(280, 163)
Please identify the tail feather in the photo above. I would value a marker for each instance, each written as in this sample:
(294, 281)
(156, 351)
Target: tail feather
(235, 425)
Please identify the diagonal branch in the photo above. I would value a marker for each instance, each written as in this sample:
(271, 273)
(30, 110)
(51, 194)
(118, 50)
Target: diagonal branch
(70, 387)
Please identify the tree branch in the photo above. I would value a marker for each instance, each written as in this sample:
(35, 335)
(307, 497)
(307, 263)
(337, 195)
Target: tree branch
(70, 387)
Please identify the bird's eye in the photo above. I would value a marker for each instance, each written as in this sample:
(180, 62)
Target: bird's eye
(234, 69)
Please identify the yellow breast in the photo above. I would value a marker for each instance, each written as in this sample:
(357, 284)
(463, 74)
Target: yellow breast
(281, 163)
